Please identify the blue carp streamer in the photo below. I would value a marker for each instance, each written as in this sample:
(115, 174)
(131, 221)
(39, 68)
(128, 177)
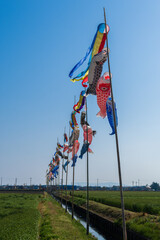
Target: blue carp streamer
(110, 114)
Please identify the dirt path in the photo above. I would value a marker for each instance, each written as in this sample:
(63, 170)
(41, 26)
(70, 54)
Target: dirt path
(57, 224)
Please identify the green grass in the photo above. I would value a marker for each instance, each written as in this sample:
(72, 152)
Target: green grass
(148, 226)
(46, 231)
(25, 216)
(140, 206)
(59, 224)
(148, 202)
(33, 216)
(19, 216)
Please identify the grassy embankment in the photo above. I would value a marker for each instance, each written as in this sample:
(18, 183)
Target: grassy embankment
(148, 202)
(35, 216)
(61, 222)
(107, 204)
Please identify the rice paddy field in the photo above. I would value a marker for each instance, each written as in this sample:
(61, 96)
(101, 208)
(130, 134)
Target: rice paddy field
(142, 209)
(19, 216)
(25, 216)
(148, 202)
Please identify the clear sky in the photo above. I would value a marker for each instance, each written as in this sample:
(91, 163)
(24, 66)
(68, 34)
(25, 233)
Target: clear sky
(40, 41)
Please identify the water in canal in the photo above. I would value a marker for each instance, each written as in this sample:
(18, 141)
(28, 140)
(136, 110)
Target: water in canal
(92, 229)
(82, 220)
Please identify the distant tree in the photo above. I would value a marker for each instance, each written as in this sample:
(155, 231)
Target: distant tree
(155, 186)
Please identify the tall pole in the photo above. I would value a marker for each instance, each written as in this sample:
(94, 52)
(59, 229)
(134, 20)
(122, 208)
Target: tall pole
(116, 137)
(73, 182)
(15, 183)
(47, 179)
(62, 169)
(67, 166)
(87, 214)
(58, 174)
(56, 184)
(73, 167)
(30, 181)
(59, 180)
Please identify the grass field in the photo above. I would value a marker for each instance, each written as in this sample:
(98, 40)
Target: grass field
(37, 216)
(148, 202)
(25, 216)
(19, 216)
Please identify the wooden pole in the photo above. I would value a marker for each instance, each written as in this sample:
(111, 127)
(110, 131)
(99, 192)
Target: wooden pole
(59, 181)
(46, 179)
(73, 168)
(62, 169)
(73, 187)
(67, 167)
(87, 214)
(58, 174)
(116, 137)
(56, 184)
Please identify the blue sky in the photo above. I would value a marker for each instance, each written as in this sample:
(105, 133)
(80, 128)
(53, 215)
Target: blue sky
(39, 44)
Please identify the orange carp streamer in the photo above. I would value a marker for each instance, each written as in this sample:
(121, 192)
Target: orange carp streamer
(103, 91)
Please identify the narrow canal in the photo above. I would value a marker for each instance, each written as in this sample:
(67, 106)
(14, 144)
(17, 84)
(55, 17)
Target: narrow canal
(92, 229)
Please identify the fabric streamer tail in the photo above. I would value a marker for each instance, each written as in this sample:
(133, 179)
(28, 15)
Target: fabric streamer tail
(100, 114)
(84, 149)
(65, 165)
(74, 159)
(73, 122)
(110, 114)
(65, 138)
(95, 47)
(90, 150)
(113, 132)
(77, 107)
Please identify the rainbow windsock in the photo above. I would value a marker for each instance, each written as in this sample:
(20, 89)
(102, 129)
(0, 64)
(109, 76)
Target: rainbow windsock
(96, 47)
(59, 145)
(73, 121)
(65, 138)
(77, 107)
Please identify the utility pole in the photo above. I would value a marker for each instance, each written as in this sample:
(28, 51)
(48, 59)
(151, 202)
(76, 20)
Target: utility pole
(97, 183)
(15, 182)
(30, 181)
(133, 183)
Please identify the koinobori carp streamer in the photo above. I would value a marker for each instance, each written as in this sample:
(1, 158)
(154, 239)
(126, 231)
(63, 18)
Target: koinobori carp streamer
(109, 110)
(103, 91)
(77, 107)
(96, 47)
